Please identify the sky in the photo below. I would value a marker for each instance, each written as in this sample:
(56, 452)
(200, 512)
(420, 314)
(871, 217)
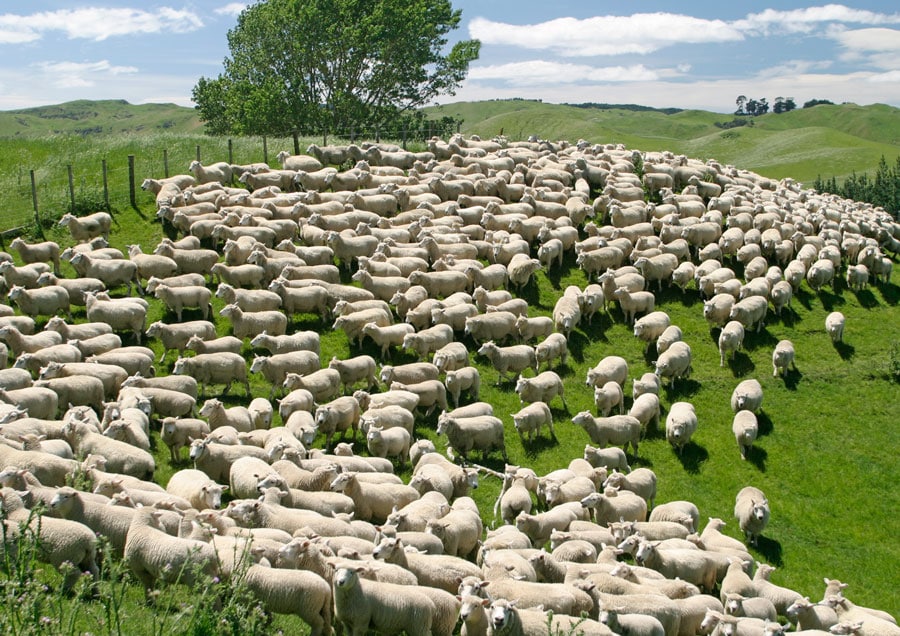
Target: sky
(700, 54)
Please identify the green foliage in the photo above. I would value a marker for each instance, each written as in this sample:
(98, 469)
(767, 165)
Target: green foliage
(332, 65)
(894, 361)
(632, 107)
(817, 102)
(734, 123)
(883, 190)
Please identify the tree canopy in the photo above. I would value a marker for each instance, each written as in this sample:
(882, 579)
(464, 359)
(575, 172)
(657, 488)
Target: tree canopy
(332, 65)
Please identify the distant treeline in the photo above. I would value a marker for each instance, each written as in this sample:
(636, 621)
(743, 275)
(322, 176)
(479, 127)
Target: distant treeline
(634, 107)
(883, 190)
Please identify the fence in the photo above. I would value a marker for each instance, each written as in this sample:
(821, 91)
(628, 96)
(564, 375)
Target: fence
(44, 179)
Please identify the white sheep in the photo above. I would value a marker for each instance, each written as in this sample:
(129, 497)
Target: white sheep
(293, 591)
(324, 384)
(783, 358)
(218, 415)
(87, 227)
(43, 301)
(373, 501)
(646, 409)
(513, 359)
(529, 420)
(297, 341)
(120, 457)
(462, 379)
(608, 397)
(631, 624)
(675, 362)
(196, 486)
(780, 597)
(110, 521)
(391, 442)
(216, 459)
(176, 336)
(214, 368)
(745, 429)
(275, 368)
(388, 336)
(553, 347)
(751, 508)
(251, 324)
(617, 430)
(176, 433)
(731, 339)
(689, 565)
(747, 396)
(491, 327)
(353, 370)
(121, 315)
(681, 424)
(542, 388)
(389, 608)
(484, 433)
(442, 571)
(834, 326)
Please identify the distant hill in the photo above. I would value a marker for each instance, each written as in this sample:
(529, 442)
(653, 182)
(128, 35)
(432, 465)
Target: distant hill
(85, 117)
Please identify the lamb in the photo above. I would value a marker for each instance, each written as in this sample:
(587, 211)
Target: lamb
(529, 420)
(20, 343)
(391, 442)
(387, 337)
(463, 479)
(120, 456)
(463, 379)
(75, 287)
(873, 622)
(76, 390)
(182, 384)
(751, 509)
(80, 331)
(783, 358)
(297, 341)
(153, 555)
(810, 616)
(176, 433)
(747, 396)
(513, 359)
(251, 324)
(834, 326)
(352, 324)
(681, 424)
(178, 298)
(87, 227)
(755, 607)
(633, 302)
(389, 608)
(111, 272)
(484, 433)
(218, 416)
(43, 301)
(216, 459)
(432, 393)
(214, 368)
(428, 341)
(674, 362)
(275, 368)
(731, 339)
(541, 388)
(176, 336)
(745, 429)
(110, 521)
(373, 501)
(506, 619)
(118, 314)
(553, 347)
(44, 252)
(781, 597)
(689, 565)
(196, 486)
(618, 430)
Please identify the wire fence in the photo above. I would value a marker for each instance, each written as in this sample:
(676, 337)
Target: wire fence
(84, 175)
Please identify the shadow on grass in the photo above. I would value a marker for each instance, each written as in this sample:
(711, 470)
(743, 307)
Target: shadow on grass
(755, 339)
(763, 423)
(846, 351)
(530, 292)
(692, 456)
(830, 300)
(788, 317)
(792, 379)
(757, 456)
(771, 549)
(681, 389)
(578, 342)
(538, 445)
(741, 364)
(890, 293)
(866, 299)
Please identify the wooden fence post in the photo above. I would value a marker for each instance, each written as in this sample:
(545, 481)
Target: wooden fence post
(166, 162)
(265, 150)
(71, 189)
(230, 152)
(132, 195)
(404, 135)
(105, 184)
(34, 202)
(198, 152)
(296, 142)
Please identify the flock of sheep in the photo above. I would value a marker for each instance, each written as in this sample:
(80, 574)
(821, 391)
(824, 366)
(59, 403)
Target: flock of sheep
(435, 240)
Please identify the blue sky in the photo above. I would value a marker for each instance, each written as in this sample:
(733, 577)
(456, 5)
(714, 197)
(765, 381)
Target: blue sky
(687, 55)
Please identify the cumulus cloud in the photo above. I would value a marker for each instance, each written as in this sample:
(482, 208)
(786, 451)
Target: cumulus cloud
(96, 23)
(541, 72)
(809, 19)
(81, 74)
(231, 9)
(641, 33)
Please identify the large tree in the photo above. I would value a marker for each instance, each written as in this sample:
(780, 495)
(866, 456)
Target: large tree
(332, 65)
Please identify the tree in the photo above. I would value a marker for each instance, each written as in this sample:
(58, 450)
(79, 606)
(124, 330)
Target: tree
(741, 102)
(333, 65)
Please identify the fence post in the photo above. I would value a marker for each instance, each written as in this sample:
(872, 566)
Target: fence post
(166, 162)
(265, 150)
(230, 152)
(105, 184)
(71, 189)
(131, 192)
(34, 202)
(296, 142)
(198, 152)
(377, 134)
(404, 135)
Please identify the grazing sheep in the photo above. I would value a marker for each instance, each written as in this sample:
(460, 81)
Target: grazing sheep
(121, 457)
(689, 565)
(216, 459)
(617, 430)
(176, 336)
(87, 227)
(218, 416)
(176, 433)
(275, 368)
(353, 370)
(338, 416)
(781, 597)
(387, 337)
(491, 327)
(731, 339)
(553, 347)
(324, 384)
(607, 397)
(43, 301)
(442, 571)
(834, 326)
(297, 341)
(542, 388)
(783, 358)
(529, 420)
(373, 502)
(214, 368)
(751, 509)
(463, 379)
(251, 324)
(465, 434)
(178, 298)
(675, 362)
(513, 359)
(121, 315)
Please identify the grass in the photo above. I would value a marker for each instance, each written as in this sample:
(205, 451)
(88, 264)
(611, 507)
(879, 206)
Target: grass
(825, 459)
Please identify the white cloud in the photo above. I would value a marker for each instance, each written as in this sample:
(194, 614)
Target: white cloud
(232, 9)
(808, 19)
(96, 23)
(82, 74)
(891, 77)
(640, 33)
(793, 67)
(541, 72)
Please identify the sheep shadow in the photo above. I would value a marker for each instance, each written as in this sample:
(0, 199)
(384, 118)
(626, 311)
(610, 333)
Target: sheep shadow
(788, 317)
(890, 293)
(763, 423)
(530, 292)
(792, 379)
(741, 364)
(804, 297)
(830, 300)
(755, 339)
(533, 448)
(692, 456)
(578, 342)
(684, 388)
(757, 456)
(866, 299)
(771, 550)
(846, 351)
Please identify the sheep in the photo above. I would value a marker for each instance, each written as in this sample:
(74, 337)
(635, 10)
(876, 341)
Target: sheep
(46, 251)
(218, 415)
(432, 393)
(674, 362)
(111, 272)
(324, 384)
(196, 486)
(20, 343)
(645, 408)
(391, 442)
(214, 368)
(731, 339)
(484, 433)
(529, 420)
(464, 379)
(176, 433)
(810, 616)
(228, 344)
(80, 331)
(353, 370)
(751, 509)
(783, 358)
(176, 336)
(542, 388)
(387, 337)
(389, 608)
(373, 501)
(607, 397)
(491, 327)
(275, 368)
(217, 172)
(631, 624)
(442, 571)
(352, 324)
(178, 298)
(513, 359)
(428, 341)
(87, 227)
(618, 430)
(463, 479)
(297, 341)
(745, 429)
(834, 326)
(681, 424)
(75, 288)
(504, 618)
(640, 481)
(110, 521)
(747, 396)
(251, 324)
(689, 565)
(781, 597)
(216, 459)
(633, 302)
(249, 299)
(190, 261)
(553, 347)
(181, 384)
(611, 505)
(339, 415)
(43, 301)
(76, 390)
(293, 591)
(118, 314)
(610, 368)
(738, 605)
(873, 622)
